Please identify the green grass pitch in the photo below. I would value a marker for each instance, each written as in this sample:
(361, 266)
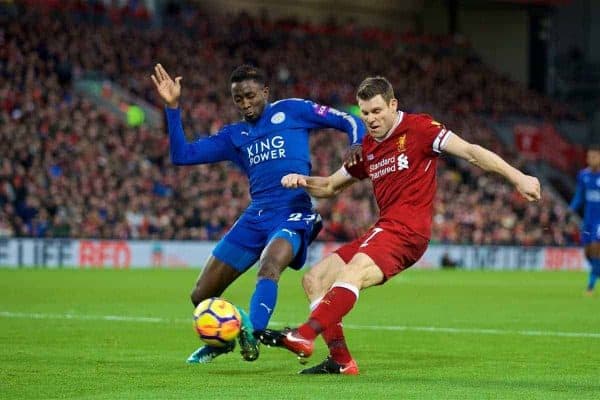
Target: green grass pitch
(106, 334)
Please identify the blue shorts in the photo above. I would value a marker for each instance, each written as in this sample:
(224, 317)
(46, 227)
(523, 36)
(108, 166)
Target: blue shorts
(242, 246)
(590, 233)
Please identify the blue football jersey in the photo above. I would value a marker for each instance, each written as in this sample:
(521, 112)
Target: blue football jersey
(275, 145)
(587, 194)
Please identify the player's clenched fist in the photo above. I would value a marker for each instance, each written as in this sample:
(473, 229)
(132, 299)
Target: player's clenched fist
(529, 187)
(293, 181)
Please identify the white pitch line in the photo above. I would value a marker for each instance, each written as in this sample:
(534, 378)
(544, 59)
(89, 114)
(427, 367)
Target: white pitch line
(482, 331)
(432, 329)
(124, 318)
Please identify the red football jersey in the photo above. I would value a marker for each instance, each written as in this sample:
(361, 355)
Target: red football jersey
(402, 168)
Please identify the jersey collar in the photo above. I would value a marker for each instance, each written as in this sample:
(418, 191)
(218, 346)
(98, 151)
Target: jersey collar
(265, 111)
(397, 123)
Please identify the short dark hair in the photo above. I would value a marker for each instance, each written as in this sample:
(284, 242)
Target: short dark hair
(248, 72)
(374, 85)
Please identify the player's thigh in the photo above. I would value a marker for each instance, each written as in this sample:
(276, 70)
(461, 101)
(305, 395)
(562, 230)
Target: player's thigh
(592, 250)
(362, 272)
(241, 247)
(214, 279)
(299, 226)
(278, 254)
(391, 249)
(322, 275)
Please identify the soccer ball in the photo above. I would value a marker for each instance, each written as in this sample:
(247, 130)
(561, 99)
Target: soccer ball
(217, 321)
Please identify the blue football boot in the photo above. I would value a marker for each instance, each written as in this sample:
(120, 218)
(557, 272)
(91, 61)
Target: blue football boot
(206, 353)
(248, 344)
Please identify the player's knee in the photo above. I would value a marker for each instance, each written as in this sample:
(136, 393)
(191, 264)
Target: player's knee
(310, 283)
(360, 276)
(351, 278)
(593, 250)
(196, 296)
(270, 269)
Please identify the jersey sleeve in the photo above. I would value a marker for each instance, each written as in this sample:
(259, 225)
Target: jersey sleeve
(434, 134)
(212, 149)
(315, 116)
(579, 195)
(357, 170)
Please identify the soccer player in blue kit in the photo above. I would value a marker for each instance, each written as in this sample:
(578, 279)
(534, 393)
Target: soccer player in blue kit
(278, 225)
(587, 194)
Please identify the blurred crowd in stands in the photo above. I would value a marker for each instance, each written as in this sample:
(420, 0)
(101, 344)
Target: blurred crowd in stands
(70, 169)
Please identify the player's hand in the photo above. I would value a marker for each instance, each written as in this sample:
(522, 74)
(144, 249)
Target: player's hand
(293, 181)
(529, 187)
(354, 155)
(168, 89)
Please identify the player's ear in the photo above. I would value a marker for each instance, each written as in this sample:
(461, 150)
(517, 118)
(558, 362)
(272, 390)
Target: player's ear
(266, 92)
(394, 104)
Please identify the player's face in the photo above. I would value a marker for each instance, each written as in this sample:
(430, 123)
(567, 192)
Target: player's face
(378, 115)
(593, 159)
(250, 97)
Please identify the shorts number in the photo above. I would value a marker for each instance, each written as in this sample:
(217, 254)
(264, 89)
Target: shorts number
(375, 232)
(300, 217)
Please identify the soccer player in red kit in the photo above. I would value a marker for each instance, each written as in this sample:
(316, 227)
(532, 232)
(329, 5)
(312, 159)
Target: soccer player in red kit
(400, 157)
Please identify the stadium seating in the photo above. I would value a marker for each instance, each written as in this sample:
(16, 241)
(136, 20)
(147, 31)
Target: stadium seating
(71, 169)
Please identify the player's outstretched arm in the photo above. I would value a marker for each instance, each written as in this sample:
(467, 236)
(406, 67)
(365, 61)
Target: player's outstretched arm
(319, 186)
(528, 186)
(208, 150)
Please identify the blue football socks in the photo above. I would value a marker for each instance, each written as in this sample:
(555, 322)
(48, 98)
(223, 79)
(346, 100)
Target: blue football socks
(594, 273)
(262, 303)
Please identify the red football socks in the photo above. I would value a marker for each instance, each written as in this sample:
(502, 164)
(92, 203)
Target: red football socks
(336, 303)
(334, 337)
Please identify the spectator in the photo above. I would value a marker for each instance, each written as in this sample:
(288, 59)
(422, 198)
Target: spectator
(74, 170)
